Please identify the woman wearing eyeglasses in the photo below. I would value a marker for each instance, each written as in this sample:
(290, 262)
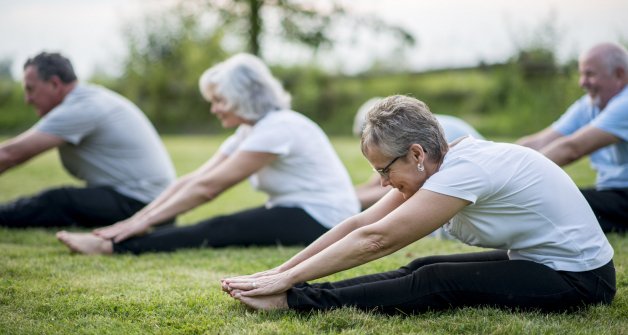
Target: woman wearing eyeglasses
(547, 250)
(281, 152)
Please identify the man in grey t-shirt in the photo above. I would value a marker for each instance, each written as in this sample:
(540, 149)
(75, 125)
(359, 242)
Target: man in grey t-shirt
(103, 139)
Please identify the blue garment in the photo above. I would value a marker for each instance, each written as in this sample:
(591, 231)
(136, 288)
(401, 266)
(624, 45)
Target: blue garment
(455, 127)
(610, 162)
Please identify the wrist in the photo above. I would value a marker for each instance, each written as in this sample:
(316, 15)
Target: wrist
(292, 277)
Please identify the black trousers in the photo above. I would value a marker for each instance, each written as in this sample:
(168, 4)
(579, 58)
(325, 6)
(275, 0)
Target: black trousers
(69, 206)
(610, 207)
(450, 281)
(257, 226)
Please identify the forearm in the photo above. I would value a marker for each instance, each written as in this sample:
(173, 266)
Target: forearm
(181, 200)
(332, 236)
(5, 163)
(168, 193)
(539, 140)
(561, 152)
(11, 157)
(357, 248)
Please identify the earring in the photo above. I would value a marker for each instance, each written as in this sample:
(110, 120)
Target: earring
(420, 167)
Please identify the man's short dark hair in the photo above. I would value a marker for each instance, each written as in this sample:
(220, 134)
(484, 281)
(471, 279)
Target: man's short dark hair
(52, 64)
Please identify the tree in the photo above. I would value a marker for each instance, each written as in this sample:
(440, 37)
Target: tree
(166, 56)
(309, 23)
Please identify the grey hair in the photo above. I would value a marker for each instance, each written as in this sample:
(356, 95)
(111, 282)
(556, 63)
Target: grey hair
(52, 64)
(247, 85)
(613, 55)
(397, 122)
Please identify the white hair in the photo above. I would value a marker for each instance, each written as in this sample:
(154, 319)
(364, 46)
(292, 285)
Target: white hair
(247, 85)
(614, 56)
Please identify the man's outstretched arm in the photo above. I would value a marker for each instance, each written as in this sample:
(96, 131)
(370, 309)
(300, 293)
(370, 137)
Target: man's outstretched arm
(577, 145)
(25, 146)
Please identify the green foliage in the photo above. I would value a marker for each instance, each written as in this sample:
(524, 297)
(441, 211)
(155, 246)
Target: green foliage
(168, 53)
(44, 289)
(313, 25)
(15, 116)
(166, 57)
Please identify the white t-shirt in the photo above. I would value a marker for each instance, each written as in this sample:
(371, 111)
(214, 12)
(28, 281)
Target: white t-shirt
(521, 202)
(109, 142)
(307, 174)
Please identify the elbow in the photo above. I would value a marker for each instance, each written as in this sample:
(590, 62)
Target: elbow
(207, 190)
(374, 245)
(571, 153)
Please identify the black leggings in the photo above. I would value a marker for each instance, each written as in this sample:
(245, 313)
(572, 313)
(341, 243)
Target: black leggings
(69, 206)
(257, 226)
(610, 208)
(450, 281)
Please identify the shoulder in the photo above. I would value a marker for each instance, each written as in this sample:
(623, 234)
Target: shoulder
(284, 120)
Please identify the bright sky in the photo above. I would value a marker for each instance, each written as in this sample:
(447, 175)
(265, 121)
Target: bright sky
(449, 32)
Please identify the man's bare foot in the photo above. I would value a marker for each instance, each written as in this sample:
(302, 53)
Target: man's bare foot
(265, 302)
(85, 243)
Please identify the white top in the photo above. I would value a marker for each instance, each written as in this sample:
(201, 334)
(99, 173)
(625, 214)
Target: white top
(521, 202)
(307, 174)
(109, 142)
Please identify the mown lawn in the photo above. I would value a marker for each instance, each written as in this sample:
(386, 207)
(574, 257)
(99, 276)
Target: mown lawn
(46, 290)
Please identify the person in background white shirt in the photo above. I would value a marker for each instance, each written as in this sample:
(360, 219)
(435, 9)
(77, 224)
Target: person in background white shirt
(103, 140)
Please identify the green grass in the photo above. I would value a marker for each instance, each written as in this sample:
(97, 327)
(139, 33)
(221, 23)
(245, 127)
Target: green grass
(46, 290)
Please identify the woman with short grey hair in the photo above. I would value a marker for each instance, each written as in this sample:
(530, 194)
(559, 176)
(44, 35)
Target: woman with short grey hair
(394, 124)
(549, 252)
(283, 153)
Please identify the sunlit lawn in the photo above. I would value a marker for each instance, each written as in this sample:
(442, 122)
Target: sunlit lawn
(45, 289)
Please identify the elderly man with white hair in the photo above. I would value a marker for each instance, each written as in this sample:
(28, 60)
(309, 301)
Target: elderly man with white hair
(596, 125)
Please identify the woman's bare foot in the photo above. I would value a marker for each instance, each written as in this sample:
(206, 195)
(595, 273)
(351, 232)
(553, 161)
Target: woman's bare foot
(265, 302)
(85, 243)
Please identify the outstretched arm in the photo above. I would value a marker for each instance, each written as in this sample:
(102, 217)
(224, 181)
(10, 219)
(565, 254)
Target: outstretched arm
(539, 140)
(191, 191)
(416, 218)
(570, 148)
(25, 146)
(372, 214)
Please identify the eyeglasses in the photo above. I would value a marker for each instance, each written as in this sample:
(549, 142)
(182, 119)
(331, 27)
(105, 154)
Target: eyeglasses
(386, 170)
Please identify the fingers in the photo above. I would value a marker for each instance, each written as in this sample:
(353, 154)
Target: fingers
(242, 285)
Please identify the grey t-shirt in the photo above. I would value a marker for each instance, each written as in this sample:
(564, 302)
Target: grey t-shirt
(109, 142)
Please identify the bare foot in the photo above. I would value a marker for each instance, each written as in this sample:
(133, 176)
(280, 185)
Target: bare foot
(266, 302)
(85, 243)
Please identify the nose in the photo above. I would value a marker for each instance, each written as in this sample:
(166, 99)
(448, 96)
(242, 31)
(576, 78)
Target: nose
(583, 81)
(384, 180)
